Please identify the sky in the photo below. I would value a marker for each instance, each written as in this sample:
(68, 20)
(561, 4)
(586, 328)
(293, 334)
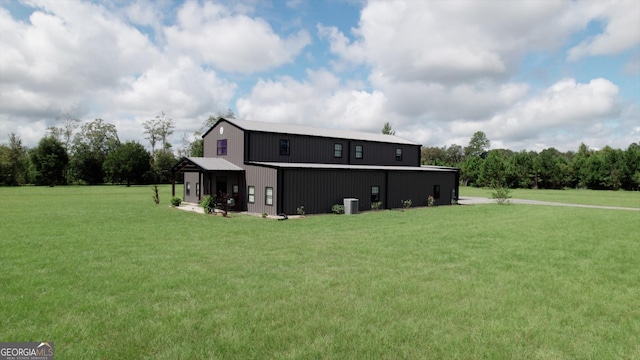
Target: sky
(529, 74)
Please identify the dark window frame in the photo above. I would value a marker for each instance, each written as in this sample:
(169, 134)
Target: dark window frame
(268, 198)
(251, 194)
(221, 147)
(337, 150)
(398, 154)
(359, 152)
(285, 147)
(375, 197)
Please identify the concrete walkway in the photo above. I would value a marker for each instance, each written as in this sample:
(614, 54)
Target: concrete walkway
(471, 200)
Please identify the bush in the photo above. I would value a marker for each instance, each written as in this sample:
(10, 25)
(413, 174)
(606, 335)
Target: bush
(376, 205)
(300, 210)
(264, 215)
(431, 201)
(208, 203)
(501, 194)
(176, 201)
(337, 209)
(406, 204)
(156, 195)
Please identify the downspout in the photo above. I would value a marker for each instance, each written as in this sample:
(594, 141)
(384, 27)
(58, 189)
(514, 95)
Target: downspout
(386, 190)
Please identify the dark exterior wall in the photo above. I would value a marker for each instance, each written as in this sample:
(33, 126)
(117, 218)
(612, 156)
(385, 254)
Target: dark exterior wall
(235, 143)
(261, 177)
(418, 185)
(265, 147)
(319, 189)
(193, 178)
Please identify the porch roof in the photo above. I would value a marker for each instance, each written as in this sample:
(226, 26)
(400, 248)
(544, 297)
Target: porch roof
(205, 164)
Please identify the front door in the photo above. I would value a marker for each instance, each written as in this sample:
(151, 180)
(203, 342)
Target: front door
(221, 186)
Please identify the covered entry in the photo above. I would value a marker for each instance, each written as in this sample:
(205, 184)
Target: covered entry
(209, 176)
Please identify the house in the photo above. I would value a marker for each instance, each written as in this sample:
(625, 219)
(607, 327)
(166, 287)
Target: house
(276, 168)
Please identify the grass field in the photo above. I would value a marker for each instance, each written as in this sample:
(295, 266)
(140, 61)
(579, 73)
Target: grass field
(570, 196)
(106, 274)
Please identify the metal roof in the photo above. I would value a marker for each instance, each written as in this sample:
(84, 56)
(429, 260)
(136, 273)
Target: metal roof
(279, 128)
(205, 164)
(284, 165)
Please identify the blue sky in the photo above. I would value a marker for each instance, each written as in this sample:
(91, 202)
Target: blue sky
(530, 74)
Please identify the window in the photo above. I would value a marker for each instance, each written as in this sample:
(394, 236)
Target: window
(252, 194)
(234, 190)
(375, 194)
(398, 154)
(337, 150)
(268, 196)
(188, 191)
(358, 151)
(284, 147)
(198, 189)
(436, 191)
(222, 147)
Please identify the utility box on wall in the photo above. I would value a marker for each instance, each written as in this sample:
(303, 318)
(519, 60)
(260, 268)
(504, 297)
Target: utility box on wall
(351, 206)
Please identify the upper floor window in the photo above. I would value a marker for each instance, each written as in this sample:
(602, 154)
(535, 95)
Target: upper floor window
(337, 150)
(358, 151)
(222, 147)
(284, 147)
(398, 154)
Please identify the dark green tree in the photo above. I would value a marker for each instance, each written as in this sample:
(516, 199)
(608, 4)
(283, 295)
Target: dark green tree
(632, 167)
(50, 160)
(14, 162)
(91, 146)
(127, 164)
(520, 172)
(493, 172)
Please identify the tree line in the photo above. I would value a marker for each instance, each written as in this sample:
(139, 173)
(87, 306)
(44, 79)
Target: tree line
(603, 169)
(92, 153)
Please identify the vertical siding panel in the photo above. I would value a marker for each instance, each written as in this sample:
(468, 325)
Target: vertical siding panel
(235, 143)
(262, 177)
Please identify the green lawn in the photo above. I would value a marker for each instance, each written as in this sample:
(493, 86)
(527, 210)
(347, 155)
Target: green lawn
(106, 274)
(570, 196)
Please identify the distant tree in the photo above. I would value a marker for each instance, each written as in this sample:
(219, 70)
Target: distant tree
(213, 119)
(552, 169)
(50, 160)
(478, 145)
(471, 171)
(386, 129)
(454, 155)
(151, 130)
(128, 163)
(632, 167)
(91, 146)
(432, 155)
(14, 162)
(69, 125)
(196, 148)
(520, 172)
(162, 165)
(493, 172)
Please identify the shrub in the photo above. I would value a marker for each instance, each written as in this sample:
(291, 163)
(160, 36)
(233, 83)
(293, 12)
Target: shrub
(300, 210)
(406, 204)
(208, 203)
(376, 205)
(264, 215)
(431, 201)
(176, 201)
(337, 209)
(156, 195)
(501, 194)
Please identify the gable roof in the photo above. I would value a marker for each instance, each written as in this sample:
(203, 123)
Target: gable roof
(205, 164)
(261, 126)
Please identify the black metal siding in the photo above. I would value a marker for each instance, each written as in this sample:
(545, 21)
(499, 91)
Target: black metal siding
(418, 185)
(319, 189)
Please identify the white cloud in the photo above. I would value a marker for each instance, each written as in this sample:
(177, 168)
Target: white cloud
(321, 101)
(621, 32)
(231, 42)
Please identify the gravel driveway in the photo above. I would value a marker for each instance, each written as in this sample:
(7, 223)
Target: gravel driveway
(471, 200)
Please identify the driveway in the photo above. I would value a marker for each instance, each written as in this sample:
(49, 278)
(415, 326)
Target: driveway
(471, 200)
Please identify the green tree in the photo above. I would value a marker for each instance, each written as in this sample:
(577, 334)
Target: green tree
(386, 129)
(520, 172)
(632, 167)
(162, 165)
(471, 171)
(493, 172)
(91, 146)
(478, 145)
(454, 155)
(128, 163)
(50, 160)
(14, 162)
(432, 155)
(552, 169)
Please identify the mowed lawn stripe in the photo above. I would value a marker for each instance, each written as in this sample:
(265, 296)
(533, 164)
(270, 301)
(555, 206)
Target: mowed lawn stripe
(104, 273)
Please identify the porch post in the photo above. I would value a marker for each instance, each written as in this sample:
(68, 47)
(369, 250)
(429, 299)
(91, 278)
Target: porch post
(173, 184)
